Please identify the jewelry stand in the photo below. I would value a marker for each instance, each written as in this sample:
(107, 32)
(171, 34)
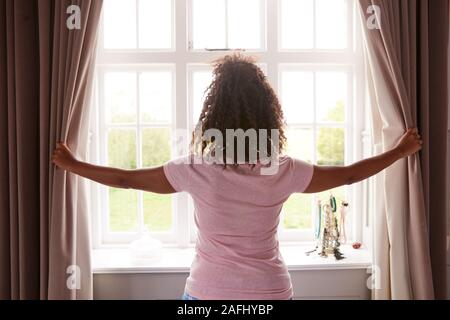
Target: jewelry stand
(328, 237)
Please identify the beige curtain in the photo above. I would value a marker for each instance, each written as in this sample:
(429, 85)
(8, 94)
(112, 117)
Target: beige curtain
(44, 233)
(407, 59)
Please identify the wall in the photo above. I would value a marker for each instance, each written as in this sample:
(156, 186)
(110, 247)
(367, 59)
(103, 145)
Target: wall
(308, 284)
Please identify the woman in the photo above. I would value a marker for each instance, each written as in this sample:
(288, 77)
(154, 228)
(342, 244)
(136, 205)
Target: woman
(237, 207)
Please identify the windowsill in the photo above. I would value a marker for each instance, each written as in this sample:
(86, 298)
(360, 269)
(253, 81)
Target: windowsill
(178, 260)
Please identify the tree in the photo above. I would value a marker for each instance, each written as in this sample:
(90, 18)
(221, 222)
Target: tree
(330, 141)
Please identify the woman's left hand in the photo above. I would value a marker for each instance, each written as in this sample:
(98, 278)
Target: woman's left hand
(63, 157)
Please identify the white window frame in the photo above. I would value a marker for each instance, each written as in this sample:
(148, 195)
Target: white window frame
(263, 39)
(183, 59)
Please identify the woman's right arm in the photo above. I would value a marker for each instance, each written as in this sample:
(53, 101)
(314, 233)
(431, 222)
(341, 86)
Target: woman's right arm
(147, 179)
(329, 177)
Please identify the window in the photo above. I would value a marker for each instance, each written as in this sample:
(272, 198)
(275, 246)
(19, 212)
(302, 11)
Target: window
(138, 24)
(324, 24)
(135, 131)
(153, 69)
(217, 24)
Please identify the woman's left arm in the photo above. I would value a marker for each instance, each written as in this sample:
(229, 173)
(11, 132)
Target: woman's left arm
(151, 179)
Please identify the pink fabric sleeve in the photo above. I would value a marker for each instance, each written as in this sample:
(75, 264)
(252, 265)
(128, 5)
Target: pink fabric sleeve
(302, 173)
(177, 172)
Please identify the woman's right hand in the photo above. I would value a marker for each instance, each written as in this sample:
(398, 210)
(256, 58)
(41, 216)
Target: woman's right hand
(63, 157)
(409, 143)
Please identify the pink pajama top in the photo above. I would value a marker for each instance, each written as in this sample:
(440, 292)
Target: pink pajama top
(237, 211)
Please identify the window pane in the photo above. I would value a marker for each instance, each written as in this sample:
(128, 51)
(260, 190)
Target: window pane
(297, 211)
(155, 152)
(331, 146)
(158, 211)
(120, 24)
(120, 97)
(122, 148)
(244, 35)
(300, 144)
(331, 24)
(297, 96)
(122, 210)
(201, 81)
(331, 96)
(155, 91)
(122, 203)
(297, 24)
(156, 145)
(213, 22)
(208, 24)
(155, 24)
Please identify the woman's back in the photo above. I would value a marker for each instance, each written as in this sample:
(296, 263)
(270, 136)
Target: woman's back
(237, 214)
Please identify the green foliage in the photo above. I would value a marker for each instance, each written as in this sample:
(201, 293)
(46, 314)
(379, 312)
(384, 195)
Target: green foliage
(155, 146)
(337, 114)
(157, 211)
(330, 146)
(122, 148)
(122, 210)
(297, 212)
(331, 141)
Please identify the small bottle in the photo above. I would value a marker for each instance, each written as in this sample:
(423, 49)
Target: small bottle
(145, 250)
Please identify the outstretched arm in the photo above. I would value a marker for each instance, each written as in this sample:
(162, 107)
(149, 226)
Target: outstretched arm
(329, 177)
(151, 179)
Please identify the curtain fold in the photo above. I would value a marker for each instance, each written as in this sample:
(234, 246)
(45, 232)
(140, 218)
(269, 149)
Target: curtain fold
(407, 59)
(44, 225)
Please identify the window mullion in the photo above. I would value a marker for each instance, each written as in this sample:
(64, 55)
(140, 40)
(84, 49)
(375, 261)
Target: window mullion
(271, 35)
(227, 13)
(314, 198)
(104, 191)
(314, 117)
(181, 226)
(137, 24)
(139, 154)
(314, 25)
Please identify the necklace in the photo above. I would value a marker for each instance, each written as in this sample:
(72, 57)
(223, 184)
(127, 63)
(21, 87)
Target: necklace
(318, 220)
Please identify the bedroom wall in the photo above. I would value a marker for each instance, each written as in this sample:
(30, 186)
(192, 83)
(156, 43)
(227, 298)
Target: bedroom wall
(307, 284)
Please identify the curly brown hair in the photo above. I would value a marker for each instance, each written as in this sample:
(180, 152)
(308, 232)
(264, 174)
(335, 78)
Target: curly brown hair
(239, 97)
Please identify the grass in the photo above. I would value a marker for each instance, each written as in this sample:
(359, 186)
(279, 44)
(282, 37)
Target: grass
(124, 211)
